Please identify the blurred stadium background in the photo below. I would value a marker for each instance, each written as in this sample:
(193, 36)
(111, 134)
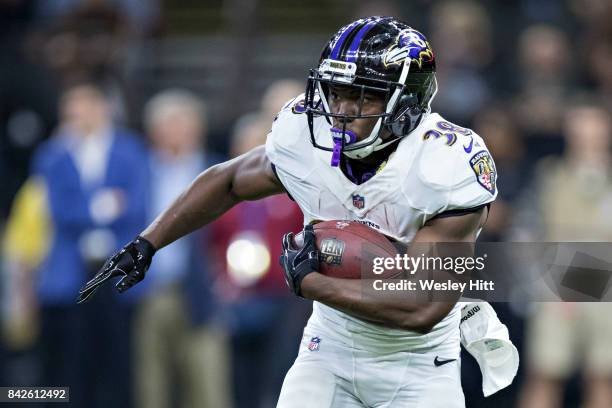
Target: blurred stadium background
(108, 108)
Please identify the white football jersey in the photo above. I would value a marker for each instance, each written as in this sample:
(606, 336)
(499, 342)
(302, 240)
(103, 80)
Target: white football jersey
(437, 168)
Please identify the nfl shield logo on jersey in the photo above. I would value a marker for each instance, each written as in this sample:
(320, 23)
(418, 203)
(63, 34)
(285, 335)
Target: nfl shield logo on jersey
(358, 201)
(314, 343)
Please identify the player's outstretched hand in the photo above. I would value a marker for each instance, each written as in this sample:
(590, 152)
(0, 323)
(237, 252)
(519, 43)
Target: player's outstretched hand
(131, 262)
(299, 262)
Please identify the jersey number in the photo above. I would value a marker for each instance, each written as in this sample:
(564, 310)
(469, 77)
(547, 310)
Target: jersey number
(447, 130)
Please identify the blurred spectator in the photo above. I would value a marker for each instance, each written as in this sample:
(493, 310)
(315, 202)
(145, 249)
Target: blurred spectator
(594, 15)
(599, 59)
(461, 34)
(178, 345)
(497, 126)
(26, 244)
(263, 315)
(544, 81)
(95, 182)
(543, 57)
(573, 196)
(90, 39)
(278, 93)
(595, 37)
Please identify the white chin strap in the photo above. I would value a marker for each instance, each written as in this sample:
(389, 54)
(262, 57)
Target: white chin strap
(368, 150)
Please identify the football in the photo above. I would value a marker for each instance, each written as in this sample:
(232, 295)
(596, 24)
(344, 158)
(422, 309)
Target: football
(348, 249)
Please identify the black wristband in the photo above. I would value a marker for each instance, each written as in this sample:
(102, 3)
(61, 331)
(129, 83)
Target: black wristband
(144, 246)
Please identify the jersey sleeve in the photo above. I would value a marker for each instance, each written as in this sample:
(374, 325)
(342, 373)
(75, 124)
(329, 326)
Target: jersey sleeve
(288, 146)
(455, 177)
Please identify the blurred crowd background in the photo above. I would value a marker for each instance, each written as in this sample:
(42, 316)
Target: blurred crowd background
(109, 108)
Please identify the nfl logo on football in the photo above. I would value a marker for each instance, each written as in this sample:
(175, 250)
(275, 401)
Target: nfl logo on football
(358, 201)
(314, 344)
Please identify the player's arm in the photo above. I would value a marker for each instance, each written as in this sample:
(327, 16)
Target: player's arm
(398, 310)
(213, 192)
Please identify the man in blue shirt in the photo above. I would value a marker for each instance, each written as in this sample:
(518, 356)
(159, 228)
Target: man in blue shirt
(94, 184)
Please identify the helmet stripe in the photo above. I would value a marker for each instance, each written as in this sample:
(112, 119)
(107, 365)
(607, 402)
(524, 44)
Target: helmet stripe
(338, 46)
(351, 54)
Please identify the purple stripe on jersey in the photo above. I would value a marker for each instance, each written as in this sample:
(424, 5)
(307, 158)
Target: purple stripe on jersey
(351, 55)
(345, 33)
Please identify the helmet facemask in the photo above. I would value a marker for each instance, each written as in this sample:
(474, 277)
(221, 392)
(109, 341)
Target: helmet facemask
(403, 103)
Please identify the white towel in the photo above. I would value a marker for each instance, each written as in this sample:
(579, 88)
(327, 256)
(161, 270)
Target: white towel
(486, 338)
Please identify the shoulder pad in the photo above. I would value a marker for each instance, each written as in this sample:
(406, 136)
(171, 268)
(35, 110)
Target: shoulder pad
(288, 144)
(454, 167)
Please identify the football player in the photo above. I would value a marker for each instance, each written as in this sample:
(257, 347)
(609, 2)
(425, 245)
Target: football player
(360, 144)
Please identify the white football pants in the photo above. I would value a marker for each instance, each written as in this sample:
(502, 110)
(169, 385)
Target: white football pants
(337, 374)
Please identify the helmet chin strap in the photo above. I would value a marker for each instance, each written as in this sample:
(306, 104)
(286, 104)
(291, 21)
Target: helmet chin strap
(379, 144)
(368, 150)
(363, 152)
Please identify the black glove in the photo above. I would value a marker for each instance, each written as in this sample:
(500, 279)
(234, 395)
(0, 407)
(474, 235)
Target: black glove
(297, 263)
(131, 262)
